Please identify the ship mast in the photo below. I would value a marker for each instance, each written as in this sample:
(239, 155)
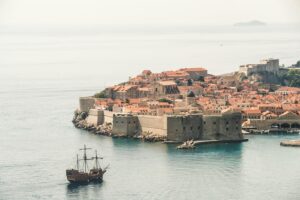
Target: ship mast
(77, 162)
(85, 159)
(97, 165)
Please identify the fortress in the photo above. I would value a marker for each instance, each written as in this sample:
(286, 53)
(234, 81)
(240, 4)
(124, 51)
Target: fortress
(267, 65)
(177, 128)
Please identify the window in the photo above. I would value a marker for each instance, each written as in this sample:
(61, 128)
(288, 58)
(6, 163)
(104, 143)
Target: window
(176, 130)
(191, 128)
(215, 123)
(199, 127)
(204, 122)
(227, 123)
(227, 129)
(184, 128)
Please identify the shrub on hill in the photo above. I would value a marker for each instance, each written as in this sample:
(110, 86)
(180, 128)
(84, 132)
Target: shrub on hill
(293, 78)
(100, 95)
(165, 100)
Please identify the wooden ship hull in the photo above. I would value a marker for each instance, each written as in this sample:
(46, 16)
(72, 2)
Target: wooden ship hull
(74, 176)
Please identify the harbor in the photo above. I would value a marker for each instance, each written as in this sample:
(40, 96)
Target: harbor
(272, 131)
(165, 93)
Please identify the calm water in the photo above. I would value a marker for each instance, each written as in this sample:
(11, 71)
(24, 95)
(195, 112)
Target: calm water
(42, 76)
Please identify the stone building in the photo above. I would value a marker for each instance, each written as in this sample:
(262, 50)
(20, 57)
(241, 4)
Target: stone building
(267, 65)
(173, 75)
(287, 120)
(122, 92)
(287, 90)
(164, 88)
(195, 73)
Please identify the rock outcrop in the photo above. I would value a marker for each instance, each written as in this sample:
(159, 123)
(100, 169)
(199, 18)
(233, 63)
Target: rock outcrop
(190, 144)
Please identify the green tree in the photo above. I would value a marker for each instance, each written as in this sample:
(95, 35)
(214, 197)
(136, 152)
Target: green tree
(100, 95)
(201, 78)
(293, 78)
(189, 82)
(165, 100)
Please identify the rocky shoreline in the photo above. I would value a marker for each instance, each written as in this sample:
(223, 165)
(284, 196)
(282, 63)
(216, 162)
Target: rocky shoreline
(79, 121)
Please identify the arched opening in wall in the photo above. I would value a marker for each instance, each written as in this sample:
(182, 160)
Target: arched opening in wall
(285, 126)
(295, 125)
(275, 126)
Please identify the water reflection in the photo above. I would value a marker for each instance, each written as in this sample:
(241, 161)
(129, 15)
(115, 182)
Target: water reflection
(126, 142)
(83, 190)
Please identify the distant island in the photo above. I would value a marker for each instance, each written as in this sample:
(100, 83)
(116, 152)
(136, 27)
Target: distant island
(251, 23)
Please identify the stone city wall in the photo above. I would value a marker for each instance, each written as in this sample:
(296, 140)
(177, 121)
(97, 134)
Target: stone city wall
(108, 116)
(125, 125)
(152, 125)
(95, 117)
(182, 128)
(210, 127)
(226, 126)
(230, 126)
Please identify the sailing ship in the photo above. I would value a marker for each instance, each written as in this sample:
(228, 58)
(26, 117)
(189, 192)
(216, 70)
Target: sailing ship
(84, 174)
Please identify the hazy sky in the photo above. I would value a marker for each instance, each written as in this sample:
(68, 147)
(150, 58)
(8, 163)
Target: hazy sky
(116, 12)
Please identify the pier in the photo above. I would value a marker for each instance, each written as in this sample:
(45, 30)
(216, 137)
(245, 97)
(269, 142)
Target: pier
(291, 143)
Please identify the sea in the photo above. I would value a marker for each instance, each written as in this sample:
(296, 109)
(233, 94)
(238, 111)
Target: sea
(44, 70)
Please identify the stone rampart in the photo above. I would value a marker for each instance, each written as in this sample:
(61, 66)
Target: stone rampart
(226, 126)
(125, 125)
(210, 126)
(230, 126)
(149, 125)
(182, 128)
(95, 117)
(86, 103)
(108, 116)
